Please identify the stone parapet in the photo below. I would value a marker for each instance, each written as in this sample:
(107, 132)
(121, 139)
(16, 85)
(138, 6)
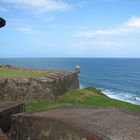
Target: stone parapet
(38, 89)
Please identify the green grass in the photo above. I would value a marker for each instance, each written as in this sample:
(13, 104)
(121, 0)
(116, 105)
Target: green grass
(20, 73)
(86, 97)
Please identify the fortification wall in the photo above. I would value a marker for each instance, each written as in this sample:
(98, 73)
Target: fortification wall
(7, 108)
(39, 128)
(38, 89)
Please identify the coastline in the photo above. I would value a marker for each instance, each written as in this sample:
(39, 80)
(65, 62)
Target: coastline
(117, 78)
(132, 100)
(112, 95)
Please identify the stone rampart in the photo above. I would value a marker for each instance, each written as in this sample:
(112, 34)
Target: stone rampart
(38, 89)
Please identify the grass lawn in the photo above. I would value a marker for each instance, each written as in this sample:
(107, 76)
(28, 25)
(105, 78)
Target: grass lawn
(82, 97)
(20, 73)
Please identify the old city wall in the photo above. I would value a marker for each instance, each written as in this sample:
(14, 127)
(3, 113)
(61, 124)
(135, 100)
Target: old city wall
(38, 89)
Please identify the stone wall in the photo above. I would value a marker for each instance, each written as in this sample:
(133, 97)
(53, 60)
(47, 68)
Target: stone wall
(7, 108)
(28, 127)
(38, 89)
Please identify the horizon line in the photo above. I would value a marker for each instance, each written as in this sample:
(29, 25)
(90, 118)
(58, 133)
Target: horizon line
(72, 57)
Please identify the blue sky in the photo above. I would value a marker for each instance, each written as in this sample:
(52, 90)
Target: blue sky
(70, 28)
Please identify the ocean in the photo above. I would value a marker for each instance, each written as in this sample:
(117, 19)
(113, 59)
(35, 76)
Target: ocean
(118, 78)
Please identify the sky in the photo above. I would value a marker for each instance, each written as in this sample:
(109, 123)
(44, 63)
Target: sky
(70, 28)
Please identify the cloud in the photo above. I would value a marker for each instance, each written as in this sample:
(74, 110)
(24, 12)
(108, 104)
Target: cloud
(109, 43)
(131, 26)
(24, 26)
(41, 5)
(134, 22)
(28, 30)
(2, 9)
(48, 19)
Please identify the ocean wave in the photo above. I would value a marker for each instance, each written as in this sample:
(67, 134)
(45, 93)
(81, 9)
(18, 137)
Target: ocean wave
(127, 97)
(137, 98)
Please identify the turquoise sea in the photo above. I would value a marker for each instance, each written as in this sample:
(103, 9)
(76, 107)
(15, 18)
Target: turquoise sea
(116, 77)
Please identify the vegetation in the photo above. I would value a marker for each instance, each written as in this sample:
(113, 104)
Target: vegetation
(20, 73)
(83, 97)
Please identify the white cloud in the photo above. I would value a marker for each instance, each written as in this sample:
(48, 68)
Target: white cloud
(49, 18)
(2, 9)
(41, 5)
(131, 26)
(134, 22)
(23, 26)
(28, 30)
(109, 43)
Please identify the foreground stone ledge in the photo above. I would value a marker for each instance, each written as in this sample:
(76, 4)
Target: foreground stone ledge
(83, 123)
(41, 128)
(7, 108)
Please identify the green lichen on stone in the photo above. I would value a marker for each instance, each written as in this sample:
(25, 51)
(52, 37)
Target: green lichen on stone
(45, 133)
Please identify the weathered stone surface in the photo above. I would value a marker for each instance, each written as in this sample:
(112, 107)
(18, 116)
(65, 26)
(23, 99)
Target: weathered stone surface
(7, 108)
(2, 81)
(21, 80)
(83, 123)
(2, 87)
(38, 89)
(3, 136)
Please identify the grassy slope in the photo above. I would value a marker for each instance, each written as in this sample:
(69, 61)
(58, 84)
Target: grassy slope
(85, 97)
(18, 73)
